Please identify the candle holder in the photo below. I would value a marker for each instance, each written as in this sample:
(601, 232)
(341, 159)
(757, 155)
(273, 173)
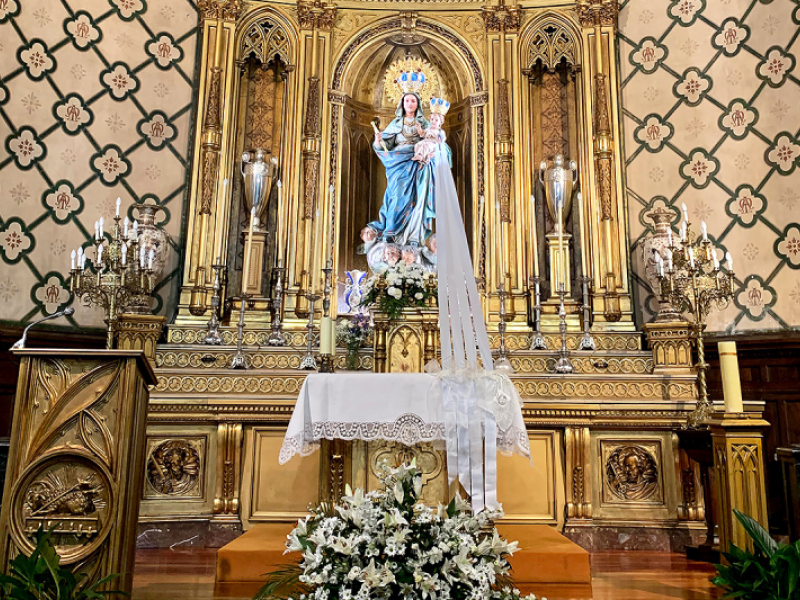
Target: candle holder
(240, 359)
(694, 283)
(309, 363)
(563, 364)
(503, 363)
(326, 360)
(537, 341)
(121, 275)
(276, 336)
(587, 341)
(213, 338)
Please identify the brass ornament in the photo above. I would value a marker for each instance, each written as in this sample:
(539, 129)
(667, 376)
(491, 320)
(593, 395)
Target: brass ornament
(632, 474)
(316, 14)
(173, 468)
(74, 493)
(219, 9)
(598, 12)
(501, 18)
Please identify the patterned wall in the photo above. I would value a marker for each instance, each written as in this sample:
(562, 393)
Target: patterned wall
(95, 103)
(711, 103)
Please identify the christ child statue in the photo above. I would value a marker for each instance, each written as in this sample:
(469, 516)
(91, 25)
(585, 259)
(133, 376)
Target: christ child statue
(433, 135)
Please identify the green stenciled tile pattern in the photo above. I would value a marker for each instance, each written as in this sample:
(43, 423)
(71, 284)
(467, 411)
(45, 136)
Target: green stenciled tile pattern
(95, 103)
(711, 112)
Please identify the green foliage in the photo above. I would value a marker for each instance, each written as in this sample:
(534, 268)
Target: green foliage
(771, 572)
(41, 577)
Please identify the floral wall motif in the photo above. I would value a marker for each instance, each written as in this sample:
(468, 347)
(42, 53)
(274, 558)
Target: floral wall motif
(95, 103)
(711, 115)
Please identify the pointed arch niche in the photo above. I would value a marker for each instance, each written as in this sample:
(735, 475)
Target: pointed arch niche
(550, 58)
(362, 175)
(263, 118)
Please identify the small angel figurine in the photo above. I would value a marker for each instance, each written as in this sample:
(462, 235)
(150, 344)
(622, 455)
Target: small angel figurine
(433, 135)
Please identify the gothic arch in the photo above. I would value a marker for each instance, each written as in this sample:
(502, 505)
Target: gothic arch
(266, 34)
(550, 39)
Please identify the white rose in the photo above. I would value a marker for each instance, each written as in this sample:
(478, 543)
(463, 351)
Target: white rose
(418, 296)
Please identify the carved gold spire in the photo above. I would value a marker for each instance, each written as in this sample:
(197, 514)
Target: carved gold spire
(219, 9)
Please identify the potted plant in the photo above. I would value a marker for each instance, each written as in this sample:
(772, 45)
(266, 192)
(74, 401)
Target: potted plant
(353, 333)
(770, 572)
(41, 577)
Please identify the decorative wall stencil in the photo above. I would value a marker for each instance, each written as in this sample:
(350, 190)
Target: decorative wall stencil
(95, 103)
(711, 110)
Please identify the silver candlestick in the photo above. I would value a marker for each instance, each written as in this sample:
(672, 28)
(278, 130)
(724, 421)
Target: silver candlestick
(563, 364)
(537, 342)
(502, 363)
(239, 361)
(309, 363)
(587, 341)
(213, 338)
(276, 336)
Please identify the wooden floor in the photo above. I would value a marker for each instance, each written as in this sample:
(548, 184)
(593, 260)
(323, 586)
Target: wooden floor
(189, 575)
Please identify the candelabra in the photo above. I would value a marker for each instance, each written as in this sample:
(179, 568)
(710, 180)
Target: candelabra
(587, 341)
(309, 363)
(276, 336)
(325, 357)
(213, 338)
(502, 363)
(119, 277)
(563, 364)
(537, 342)
(692, 282)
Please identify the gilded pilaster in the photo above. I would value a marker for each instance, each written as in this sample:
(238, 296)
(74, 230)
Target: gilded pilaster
(579, 481)
(315, 15)
(217, 22)
(503, 20)
(229, 460)
(599, 21)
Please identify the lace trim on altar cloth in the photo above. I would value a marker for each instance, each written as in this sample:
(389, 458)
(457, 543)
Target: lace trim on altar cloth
(409, 429)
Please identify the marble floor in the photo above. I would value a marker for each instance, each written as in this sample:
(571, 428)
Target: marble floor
(188, 574)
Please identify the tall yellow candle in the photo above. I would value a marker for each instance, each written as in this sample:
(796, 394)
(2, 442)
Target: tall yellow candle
(325, 336)
(731, 383)
(333, 336)
(561, 270)
(248, 251)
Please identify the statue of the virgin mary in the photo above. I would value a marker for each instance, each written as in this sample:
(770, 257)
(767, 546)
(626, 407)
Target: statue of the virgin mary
(404, 228)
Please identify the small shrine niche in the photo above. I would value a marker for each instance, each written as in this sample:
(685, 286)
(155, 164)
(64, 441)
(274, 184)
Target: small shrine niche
(363, 177)
(552, 60)
(262, 120)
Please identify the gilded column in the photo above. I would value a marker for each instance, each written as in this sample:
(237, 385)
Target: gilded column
(229, 463)
(314, 15)
(594, 16)
(579, 481)
(502, 20)
(213, 16)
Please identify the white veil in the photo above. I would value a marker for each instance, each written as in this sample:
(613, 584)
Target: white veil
(481, 407)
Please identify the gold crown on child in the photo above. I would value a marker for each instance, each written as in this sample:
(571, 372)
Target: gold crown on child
(439, 106)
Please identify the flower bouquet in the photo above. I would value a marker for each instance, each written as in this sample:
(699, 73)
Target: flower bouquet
(398, 287)
(353, 333)
(386, 545)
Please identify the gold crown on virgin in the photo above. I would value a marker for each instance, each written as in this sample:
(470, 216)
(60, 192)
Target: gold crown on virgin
(439, 106)
(411, 81)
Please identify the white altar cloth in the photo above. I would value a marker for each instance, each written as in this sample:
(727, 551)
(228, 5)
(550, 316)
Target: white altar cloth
(398, 407)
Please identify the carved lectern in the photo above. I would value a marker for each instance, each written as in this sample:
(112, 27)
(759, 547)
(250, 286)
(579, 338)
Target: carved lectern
(77, 458)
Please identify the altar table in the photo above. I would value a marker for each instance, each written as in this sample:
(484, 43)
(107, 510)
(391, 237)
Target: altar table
(399, 407)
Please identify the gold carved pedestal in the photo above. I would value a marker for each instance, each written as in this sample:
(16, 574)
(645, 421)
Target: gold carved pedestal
(140, 332)
(671, 343)
(405, 345)
(77, 458)
(739, 464)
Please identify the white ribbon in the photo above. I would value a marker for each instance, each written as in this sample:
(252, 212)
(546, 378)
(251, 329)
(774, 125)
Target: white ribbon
(471, 396)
